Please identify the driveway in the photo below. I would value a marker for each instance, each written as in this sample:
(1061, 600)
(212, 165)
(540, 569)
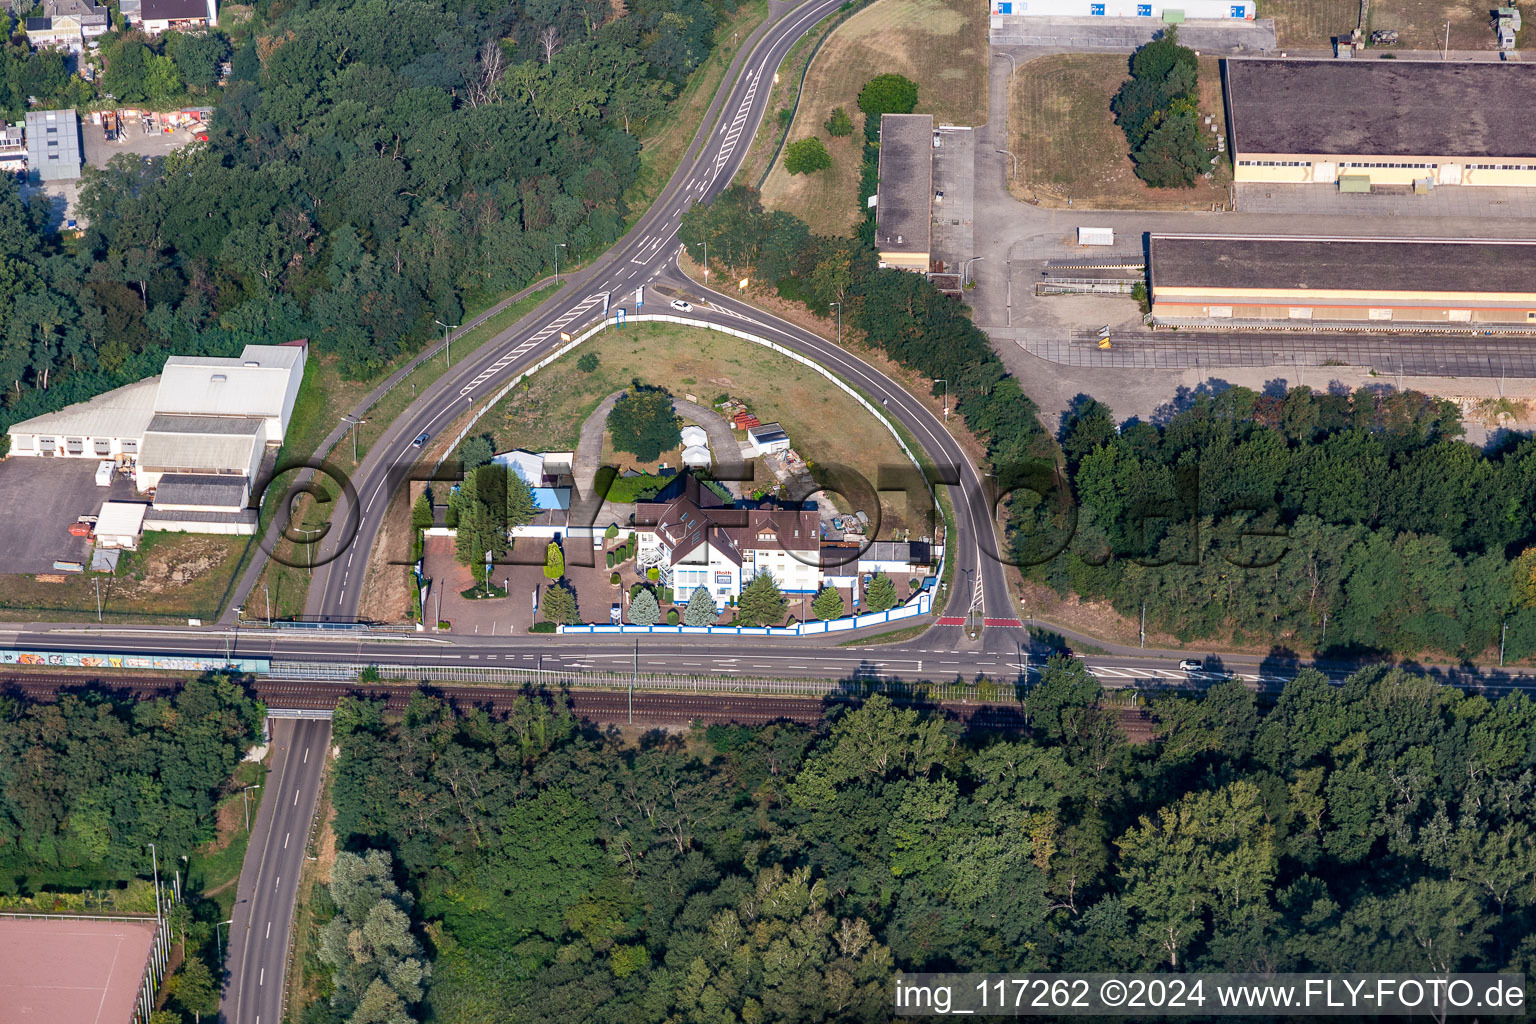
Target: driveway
(1126, 34)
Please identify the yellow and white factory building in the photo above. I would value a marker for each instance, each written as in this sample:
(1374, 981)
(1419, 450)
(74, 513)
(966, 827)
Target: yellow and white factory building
(1370, 123)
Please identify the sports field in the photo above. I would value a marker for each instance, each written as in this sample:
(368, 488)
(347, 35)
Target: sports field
(939, 44)
(69, 970)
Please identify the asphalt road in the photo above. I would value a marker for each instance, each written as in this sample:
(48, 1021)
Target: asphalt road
(269, 879)
(1004, 654)
(643, 253)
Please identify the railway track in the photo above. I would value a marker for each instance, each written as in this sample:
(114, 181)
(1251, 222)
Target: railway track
(596, 706)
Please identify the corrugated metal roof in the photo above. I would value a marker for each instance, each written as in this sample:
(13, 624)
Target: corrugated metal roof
(216, 425)
(202, 385)
(195, 489)
(121, 412)
(121, 519)
(198, 452)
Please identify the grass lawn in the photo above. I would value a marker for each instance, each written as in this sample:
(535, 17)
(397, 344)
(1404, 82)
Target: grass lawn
(1069, 146)
(765, 143)
(1421, 24)
(172, 576)
(939, 44)
(667, 136)
(1311, 23)
(827, 426)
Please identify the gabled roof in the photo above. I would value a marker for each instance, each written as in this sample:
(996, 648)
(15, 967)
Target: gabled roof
(692, 515)
(199, 451)
(121, 412)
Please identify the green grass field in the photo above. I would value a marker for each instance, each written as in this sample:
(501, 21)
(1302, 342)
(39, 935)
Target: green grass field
(1069, 147)
(939, 44)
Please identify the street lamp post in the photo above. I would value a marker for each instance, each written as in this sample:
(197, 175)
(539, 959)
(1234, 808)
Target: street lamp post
(447, 338)
(245, 799)
(1504, 632)
(268, 595)
(839, 306)
(98, 598)
(355, 425)
(558, 247)
(218, 943)
(965, 268)
(1013, 64)
(941, 380)
(1009, 153)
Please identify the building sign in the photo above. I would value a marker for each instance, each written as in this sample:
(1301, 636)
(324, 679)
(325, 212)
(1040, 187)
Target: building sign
(722, 579)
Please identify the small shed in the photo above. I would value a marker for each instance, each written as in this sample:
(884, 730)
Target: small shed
(693, 434)
(696, 456)
(120, 524)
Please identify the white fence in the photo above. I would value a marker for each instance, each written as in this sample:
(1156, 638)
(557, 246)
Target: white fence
(919, 605)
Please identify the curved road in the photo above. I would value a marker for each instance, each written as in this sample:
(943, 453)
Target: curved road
(645, 256)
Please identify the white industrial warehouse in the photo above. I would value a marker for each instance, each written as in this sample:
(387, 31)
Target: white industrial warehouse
(193, 438)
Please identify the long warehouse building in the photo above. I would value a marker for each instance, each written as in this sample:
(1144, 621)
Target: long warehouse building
(1216, 280)
(1372, 123)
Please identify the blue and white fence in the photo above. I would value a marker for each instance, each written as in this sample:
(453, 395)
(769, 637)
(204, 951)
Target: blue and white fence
(918, 606)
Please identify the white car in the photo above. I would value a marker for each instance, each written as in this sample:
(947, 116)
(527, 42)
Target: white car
(681, 306)
(1191, 666)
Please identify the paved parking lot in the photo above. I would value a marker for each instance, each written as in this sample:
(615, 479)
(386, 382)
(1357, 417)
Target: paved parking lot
(954, 174)
(98, 150)
(39, 498)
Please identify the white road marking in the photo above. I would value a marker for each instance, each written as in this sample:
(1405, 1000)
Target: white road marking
(286, 836)
(263, 979)
(295, 798)
(269, 929)
(306, 755)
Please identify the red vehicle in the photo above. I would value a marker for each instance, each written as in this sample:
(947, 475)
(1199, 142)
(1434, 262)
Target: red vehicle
(85, 526)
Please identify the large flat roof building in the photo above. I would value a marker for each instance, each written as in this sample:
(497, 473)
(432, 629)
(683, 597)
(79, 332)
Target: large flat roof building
(53, 145)
(1381, 122)
(1213, 280)
(903, 205)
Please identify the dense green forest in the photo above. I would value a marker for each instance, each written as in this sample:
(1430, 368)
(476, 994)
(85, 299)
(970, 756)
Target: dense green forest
(371, 166)
(85, 783)
(782, 873)
(1405, 537)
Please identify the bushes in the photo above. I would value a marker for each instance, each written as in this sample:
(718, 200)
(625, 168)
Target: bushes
(807, 156)
(1156, 108)
(888, 94)
(642, 422)
(839, 125)
(613, 578)
(587, 363)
